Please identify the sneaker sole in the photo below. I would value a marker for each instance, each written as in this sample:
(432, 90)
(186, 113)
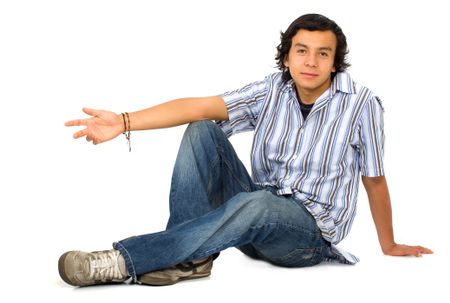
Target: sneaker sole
(160, 282)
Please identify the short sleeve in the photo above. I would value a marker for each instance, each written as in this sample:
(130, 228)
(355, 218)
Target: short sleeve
(243, 106)
(371, 147)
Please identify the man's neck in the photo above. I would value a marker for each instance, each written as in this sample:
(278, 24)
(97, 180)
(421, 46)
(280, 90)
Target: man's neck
(309, 96)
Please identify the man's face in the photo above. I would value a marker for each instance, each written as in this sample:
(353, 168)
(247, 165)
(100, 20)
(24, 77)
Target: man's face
(311, 62)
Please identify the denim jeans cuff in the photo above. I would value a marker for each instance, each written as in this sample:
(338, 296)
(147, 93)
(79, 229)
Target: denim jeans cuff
(128, 260)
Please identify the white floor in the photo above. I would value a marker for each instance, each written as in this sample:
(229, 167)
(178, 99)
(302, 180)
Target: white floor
(237, 278)
(33, 240)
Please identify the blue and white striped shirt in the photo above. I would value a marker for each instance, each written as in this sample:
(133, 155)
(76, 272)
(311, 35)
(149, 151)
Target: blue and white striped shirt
(318, 160)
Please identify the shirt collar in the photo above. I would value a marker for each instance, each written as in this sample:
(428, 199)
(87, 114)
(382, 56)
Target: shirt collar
(343, 82)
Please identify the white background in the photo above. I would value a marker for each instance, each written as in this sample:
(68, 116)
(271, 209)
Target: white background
(58, 194)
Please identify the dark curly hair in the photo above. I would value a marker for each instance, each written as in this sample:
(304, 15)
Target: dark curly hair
(312, 22)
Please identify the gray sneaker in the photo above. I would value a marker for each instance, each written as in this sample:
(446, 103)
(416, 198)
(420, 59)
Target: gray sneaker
(79, 268)
(183, 271)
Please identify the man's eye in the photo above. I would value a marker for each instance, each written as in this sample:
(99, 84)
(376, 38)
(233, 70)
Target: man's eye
(323, 54)
(301, 51)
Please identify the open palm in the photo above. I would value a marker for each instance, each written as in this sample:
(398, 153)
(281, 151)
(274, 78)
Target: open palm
(101, 127)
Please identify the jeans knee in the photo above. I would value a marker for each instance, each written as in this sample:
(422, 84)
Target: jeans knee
(201, 127)
(198, 131)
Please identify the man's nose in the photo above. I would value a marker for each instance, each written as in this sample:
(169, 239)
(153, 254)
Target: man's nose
(311, 60)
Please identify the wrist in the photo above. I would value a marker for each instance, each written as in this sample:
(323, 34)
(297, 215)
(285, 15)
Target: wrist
(127, 128)
(386, 247)
(122, 122)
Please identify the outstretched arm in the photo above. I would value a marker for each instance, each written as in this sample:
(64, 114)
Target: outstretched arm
(106, 125)
(380, 206)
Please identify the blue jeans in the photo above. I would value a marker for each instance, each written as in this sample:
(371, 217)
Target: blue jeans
(215, 205)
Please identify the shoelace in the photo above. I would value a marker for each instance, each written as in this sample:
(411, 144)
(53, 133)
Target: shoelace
(104, 266)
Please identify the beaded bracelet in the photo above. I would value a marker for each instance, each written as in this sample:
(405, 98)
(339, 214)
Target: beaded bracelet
(127, 129)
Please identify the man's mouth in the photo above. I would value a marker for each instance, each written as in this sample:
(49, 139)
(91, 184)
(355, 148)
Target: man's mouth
(309, 75)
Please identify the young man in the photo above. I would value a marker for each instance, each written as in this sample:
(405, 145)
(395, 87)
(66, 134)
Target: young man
(315, 132)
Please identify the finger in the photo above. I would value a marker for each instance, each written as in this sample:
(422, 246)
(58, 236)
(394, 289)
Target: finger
(77, 122)
(80, 133)
(91, 111)
(88, 139)
(424, 250)
(411, 251)
(96, 141)
(404, 250)
(418, 251)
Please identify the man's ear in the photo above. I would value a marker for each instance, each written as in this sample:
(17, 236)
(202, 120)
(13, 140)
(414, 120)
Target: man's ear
(286, 61)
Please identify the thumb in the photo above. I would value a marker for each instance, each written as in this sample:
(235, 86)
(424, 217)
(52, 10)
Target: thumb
(91, 111)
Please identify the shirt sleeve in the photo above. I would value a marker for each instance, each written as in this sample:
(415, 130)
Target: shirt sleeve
(371, 148)
(243, 106)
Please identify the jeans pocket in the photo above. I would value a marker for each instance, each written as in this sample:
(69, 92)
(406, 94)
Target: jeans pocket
(300, 257)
